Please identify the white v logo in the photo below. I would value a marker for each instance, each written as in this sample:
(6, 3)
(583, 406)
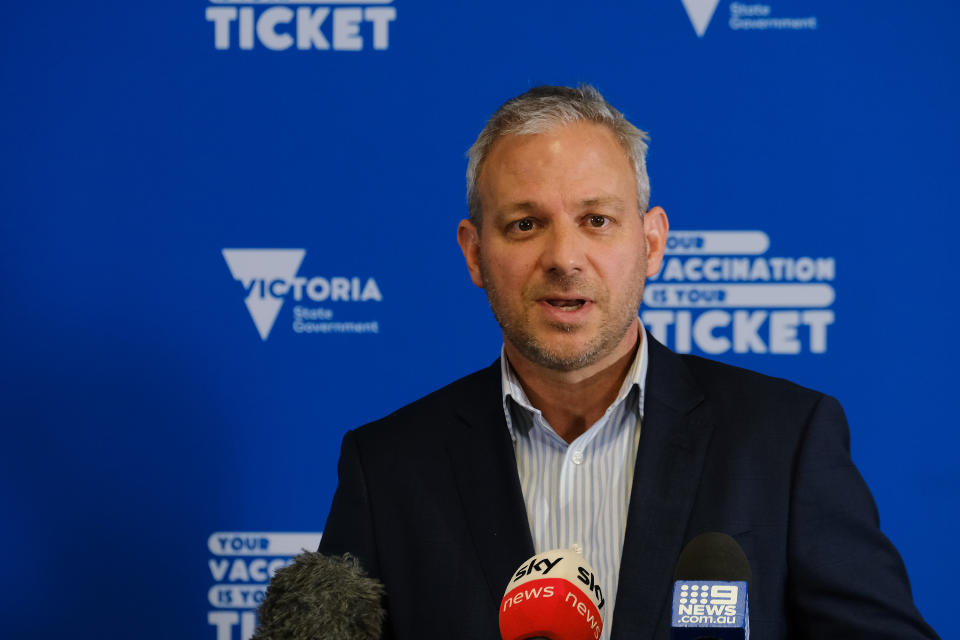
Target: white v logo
(700, 13)
(256, 269)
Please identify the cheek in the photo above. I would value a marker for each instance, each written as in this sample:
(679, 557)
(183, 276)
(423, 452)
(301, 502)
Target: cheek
(623, 269)
(510, 270)
(624, 286)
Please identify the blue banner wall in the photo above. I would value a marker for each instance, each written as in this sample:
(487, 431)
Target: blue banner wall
(227, 235)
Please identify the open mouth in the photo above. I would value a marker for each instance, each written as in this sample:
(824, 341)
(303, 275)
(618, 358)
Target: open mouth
(567, 304)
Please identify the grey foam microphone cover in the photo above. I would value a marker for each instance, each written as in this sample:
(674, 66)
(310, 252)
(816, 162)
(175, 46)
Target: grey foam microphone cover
(713, 556)
(321, 597)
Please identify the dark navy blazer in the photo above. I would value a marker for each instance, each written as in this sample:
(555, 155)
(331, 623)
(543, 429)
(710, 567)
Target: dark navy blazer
(430, 501)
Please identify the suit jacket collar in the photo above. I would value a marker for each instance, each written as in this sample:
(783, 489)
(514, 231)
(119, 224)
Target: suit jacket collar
(485, 471)
(673, 441)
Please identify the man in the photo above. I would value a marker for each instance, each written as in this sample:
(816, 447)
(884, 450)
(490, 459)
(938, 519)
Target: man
(588, 433)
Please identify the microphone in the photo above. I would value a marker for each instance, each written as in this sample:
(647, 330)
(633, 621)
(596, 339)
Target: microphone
(554, 595)
(710, 590)
(321, 597)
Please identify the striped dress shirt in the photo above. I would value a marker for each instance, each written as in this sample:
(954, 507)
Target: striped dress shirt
(577, 494)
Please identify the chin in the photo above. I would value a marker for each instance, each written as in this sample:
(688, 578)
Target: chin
(567, 358)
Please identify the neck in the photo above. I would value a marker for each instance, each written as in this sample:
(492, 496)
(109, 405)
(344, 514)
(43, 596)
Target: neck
(571, 401)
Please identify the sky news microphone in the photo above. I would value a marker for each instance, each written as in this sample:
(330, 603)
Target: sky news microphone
(321, 597)
(710, 590)
(553, 595)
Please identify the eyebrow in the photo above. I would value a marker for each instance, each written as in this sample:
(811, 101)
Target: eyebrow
(525, 206)
(528, 206)
(606, 201)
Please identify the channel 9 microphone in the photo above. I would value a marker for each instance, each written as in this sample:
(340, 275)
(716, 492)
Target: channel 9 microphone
(710, 590)
(553, 595)
(321, 597)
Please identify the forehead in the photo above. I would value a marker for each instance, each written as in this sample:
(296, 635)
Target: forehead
(580, 160)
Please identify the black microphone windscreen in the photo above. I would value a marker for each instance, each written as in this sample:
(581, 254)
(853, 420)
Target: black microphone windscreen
(321, 597)
(713, 556)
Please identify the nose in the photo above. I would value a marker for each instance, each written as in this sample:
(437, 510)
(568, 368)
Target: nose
(563, 251)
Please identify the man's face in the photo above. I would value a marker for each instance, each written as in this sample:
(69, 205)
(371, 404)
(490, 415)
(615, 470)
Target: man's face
(563, 251)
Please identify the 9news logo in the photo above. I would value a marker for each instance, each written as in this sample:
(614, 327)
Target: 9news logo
(715, 597)
(709, 603)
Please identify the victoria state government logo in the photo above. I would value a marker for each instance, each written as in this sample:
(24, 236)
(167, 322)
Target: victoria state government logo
(744, 16)
(269, 277)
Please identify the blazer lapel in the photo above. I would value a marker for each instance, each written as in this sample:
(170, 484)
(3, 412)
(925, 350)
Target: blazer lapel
(485, 470)
(674, 436)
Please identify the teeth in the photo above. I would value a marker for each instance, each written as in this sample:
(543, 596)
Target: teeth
(567, 304)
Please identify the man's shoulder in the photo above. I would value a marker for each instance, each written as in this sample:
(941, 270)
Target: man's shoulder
(707, 374)
(436, 410)
(730, 377)
(738, 390)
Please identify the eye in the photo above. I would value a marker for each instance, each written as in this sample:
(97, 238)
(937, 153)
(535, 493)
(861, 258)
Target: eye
(597, 221)
(524, 224)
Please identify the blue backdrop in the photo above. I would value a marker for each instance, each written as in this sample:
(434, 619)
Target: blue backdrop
(173, 400)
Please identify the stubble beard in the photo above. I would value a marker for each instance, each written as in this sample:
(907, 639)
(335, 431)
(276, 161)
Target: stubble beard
(517, 330)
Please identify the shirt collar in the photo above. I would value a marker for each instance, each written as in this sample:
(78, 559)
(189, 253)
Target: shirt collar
(512, 391)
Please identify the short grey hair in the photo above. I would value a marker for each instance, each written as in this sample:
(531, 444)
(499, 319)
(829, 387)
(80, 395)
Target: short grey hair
(543, 108)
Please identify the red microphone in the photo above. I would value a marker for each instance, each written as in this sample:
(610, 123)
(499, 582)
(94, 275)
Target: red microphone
(553, 595)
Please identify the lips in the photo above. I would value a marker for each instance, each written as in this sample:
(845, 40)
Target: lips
(565, 306)
(570, 304)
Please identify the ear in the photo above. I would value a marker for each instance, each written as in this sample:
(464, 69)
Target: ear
(655, 227)
(469, 239)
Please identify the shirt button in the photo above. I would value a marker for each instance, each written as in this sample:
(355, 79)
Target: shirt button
(577, 457)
